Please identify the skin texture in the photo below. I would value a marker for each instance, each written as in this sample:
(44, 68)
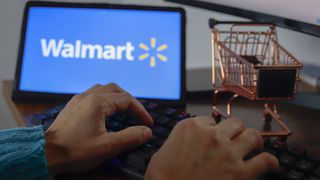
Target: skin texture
(78, 141)
(197, 148)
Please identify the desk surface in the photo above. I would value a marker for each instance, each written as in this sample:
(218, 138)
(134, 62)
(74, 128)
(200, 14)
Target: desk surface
(303, 122)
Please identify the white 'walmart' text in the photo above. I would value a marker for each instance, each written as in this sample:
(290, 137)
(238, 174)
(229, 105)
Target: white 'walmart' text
(78, 49)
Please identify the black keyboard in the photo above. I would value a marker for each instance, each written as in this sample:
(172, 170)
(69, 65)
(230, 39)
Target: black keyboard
(295, 162)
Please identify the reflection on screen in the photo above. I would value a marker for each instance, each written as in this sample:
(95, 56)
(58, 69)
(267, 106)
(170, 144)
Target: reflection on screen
(68, 50)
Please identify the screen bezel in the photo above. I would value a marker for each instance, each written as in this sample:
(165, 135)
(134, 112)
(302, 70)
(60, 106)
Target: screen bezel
(19, 95)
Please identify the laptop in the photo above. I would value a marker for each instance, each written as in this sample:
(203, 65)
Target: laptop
(66, 48)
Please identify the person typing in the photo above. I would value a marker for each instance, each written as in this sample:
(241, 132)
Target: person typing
(77, 141)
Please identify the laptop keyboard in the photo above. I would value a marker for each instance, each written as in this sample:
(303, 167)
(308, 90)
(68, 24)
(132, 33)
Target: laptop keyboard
(295, 162)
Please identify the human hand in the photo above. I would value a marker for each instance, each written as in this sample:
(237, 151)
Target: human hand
(78, 141)
(199, 149)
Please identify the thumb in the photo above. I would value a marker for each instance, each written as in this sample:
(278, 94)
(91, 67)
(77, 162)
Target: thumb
(128, 138)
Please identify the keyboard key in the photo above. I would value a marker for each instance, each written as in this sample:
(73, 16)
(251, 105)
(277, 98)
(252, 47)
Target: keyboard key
(153, 140)
(151, 106)
(182, 115)
(142, 101)
(47, 120)
(277, 174)
(138, 159)
(271, 151)
(131, 121)
(160, 131)
(160, 142)
(169, 111)
(154, 115)
(278, 146)
(294, 175)
(120, 117)
(60, 107)
(162, 120)
(304, 166)
(53, 112)
(297, 151)
(156, 141)
(287, 160)
(314, 156)
(113, 125)
(171, 124)
(38, 118)
(148, 147)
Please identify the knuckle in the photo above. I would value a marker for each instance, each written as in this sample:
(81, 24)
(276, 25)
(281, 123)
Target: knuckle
(208, 119)
(180, 125)
(195, 121)
(127, 96)
(93, 88)
(113, 86)
(254, 136)
(97, 85)
(192, 123)
(186, 124)
(213, 138)
(239, 123)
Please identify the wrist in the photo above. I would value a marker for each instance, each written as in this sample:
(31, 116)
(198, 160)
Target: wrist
(56, 154)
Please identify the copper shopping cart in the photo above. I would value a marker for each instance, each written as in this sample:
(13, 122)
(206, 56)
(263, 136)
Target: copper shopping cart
(248, 61)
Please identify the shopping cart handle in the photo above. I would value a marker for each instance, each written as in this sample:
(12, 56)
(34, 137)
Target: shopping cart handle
(213, 22)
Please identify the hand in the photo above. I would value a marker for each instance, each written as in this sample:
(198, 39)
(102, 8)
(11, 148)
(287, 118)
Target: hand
(199, 149)
(78, 140)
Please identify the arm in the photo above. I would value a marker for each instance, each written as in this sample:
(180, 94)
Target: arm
(77, 140)
(22, 154)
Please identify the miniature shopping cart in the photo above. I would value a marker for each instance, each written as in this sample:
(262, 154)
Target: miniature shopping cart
(248, 61)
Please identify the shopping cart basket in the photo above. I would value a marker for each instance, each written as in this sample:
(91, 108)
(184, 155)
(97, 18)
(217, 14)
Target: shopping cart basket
(248, 61)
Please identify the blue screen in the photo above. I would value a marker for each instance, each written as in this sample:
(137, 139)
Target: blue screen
(68, 50)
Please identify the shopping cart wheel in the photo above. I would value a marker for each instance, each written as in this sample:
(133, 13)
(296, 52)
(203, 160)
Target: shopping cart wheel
(267, 122)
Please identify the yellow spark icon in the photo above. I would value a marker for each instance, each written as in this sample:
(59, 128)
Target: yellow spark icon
(152, 57)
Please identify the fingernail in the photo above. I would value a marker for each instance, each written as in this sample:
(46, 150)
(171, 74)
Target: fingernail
(146, 132)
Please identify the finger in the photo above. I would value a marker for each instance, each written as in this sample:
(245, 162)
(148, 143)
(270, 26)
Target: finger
(204, 120)
(128, 138)
(94, 88)
(231, 128)
(114, 88)
(125, 102)
(261, 163)
(109, 88)
(247, 141)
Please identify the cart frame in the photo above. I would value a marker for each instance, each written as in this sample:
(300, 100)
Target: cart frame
(247, 60)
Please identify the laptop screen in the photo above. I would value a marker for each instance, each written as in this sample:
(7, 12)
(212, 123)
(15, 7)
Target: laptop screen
(67, 50)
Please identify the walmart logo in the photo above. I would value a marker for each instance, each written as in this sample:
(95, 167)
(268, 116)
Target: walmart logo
(152, 57)
(78, 50)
